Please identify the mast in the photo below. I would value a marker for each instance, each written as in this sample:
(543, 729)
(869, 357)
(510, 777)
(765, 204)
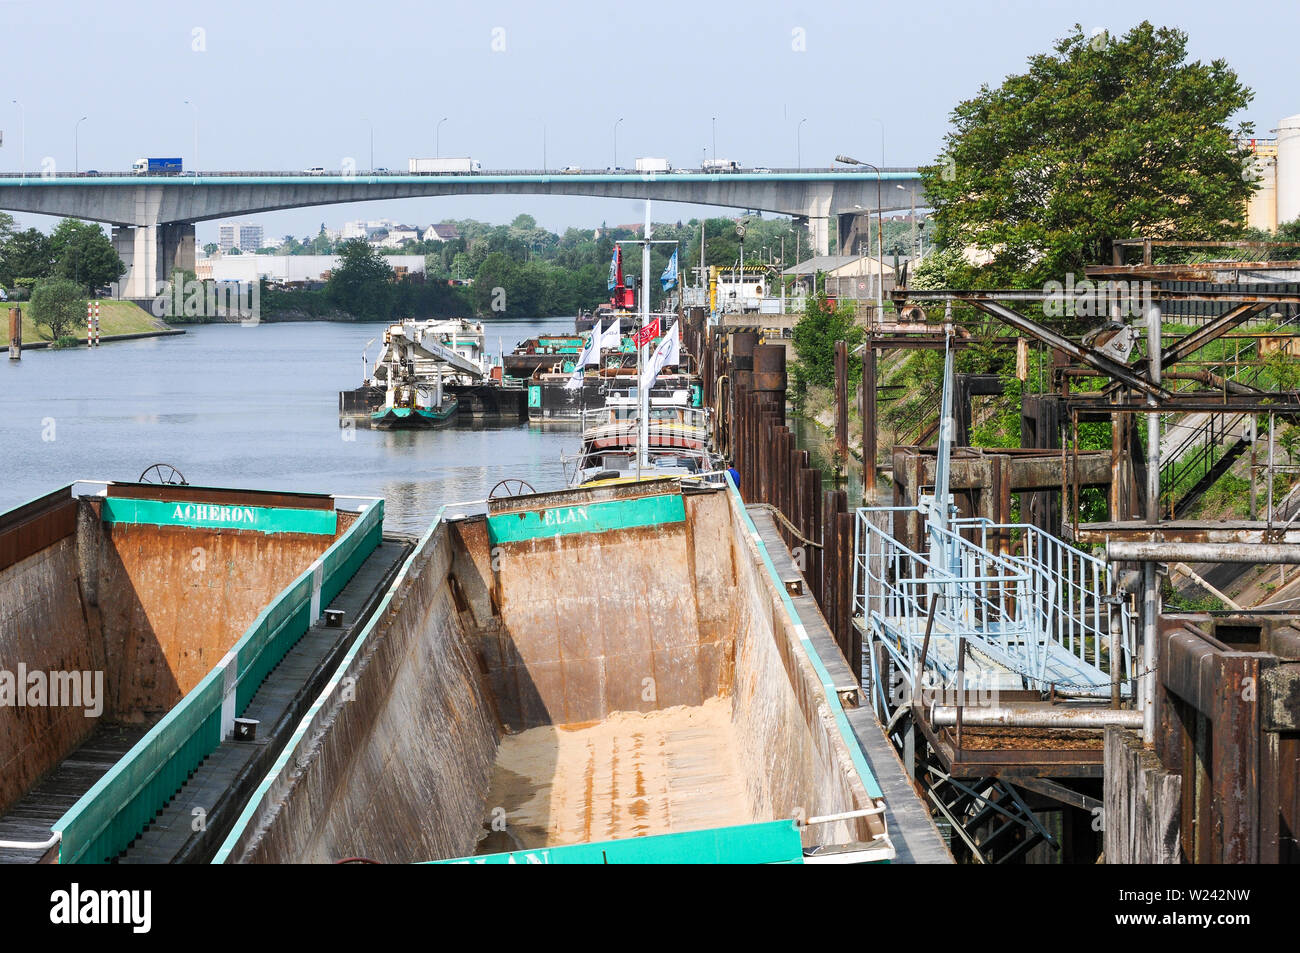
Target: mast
(643, 390)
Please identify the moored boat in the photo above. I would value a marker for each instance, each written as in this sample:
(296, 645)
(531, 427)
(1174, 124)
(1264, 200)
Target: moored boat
(415, 415)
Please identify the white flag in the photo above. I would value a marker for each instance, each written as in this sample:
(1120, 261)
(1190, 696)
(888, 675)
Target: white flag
(590, 355)
(668, 352)
(613, 335)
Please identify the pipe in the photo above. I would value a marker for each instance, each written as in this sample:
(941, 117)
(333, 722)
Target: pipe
(1243, 553)
(1150, 587)
(1195, 577)
(945, 716)
(31, 844)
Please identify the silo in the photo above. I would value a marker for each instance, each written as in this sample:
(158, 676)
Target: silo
(1288, 169)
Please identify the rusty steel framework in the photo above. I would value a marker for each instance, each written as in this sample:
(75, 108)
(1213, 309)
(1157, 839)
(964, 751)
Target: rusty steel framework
(1203, 804)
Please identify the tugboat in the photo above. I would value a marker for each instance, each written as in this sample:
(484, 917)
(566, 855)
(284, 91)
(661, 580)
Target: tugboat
(408, 407)
(676, 435)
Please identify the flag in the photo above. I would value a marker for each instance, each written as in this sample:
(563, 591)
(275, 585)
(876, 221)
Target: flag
(647, 333)
(668, 353)
(590, 355)
(668, 280)
(613, 270)
(613, 335)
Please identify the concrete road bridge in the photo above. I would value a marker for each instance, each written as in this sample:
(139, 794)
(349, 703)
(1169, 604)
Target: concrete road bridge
(153, 215)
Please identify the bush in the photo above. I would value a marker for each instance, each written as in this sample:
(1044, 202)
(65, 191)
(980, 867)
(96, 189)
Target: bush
(57, 303)
(66, 340)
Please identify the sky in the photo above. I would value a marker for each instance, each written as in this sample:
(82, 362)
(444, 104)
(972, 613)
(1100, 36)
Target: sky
(290, 85)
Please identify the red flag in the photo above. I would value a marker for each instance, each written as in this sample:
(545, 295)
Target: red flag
(647, 333)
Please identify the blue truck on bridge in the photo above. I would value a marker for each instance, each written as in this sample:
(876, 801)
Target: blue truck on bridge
(143, 166)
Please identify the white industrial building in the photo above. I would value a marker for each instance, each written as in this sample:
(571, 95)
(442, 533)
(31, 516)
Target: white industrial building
(1276, 168)
(290, 269)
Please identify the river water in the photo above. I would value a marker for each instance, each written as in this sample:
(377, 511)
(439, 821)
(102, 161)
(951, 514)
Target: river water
(255, 407)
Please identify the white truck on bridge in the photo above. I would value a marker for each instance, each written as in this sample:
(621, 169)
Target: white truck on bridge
(650, 164)
(445, 166)
(721, 165)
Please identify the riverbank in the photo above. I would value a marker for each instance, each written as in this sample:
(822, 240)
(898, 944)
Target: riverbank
(104, 339)
(118, 321)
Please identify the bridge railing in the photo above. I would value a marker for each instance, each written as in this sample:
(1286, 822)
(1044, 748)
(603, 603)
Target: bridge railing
(385, 173)
(124, 801)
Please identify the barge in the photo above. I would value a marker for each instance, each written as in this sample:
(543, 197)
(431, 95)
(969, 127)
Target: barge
(168, 639)
(675, 705)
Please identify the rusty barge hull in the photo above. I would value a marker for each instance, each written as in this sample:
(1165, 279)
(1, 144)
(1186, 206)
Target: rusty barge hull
(609, 675)
(137, 622)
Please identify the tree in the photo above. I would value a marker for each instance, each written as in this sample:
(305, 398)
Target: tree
(814, 338)
(83, 253)
(59, 305)
(1103, 138)
(362, 284)
(26, 255)
(211, 248)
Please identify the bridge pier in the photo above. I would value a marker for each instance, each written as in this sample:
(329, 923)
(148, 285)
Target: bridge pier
(852, 229)
(151, 253)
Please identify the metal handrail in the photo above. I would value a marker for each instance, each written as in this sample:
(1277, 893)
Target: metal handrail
(1022, 610)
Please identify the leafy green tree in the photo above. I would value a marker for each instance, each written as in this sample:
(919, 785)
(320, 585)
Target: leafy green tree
(59, 305)
(83, 253)
(498, 271)
(362, 284)
(814, 338)
(26, 255)
(211, 248)
(1102, 138)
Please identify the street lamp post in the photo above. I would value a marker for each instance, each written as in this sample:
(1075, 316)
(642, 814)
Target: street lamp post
(880, 235)
(715, 137)
(437, 136)
(22, 135)
(76, 145)
(615, 167)
(196, 134)
(798, 135)
(911, 218)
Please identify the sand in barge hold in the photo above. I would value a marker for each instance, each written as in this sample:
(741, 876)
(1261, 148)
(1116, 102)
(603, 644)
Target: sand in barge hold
(631, 775)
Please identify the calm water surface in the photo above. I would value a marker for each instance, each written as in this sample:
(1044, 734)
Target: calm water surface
(254, 407)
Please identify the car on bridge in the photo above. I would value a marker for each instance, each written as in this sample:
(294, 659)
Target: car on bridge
(571, 169)
(314, 170)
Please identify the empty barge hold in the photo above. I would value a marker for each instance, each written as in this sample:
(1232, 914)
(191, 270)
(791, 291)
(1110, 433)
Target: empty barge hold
(137, 623)
(611, 675)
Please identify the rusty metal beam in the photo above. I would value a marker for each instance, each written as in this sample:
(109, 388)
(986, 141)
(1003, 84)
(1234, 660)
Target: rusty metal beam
(1189, 531)
(1085, 355)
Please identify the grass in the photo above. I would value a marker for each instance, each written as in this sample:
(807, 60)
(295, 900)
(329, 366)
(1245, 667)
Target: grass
(115, 317)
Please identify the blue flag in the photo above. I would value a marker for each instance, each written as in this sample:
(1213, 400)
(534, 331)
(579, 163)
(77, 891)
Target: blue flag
(669, 278)
(613, 271)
